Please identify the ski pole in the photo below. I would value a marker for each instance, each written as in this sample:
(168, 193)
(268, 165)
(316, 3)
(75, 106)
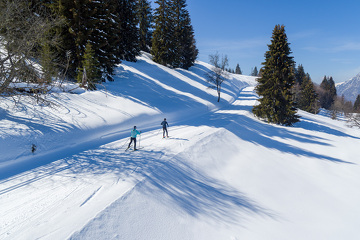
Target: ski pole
(124, 143)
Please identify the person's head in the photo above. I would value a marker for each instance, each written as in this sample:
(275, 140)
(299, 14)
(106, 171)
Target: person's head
(134, 127)
(164, 119)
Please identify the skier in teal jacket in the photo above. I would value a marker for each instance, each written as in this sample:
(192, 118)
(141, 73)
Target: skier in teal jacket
(134, 133)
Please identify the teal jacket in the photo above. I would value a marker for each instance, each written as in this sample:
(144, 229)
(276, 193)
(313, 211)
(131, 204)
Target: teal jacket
(134, 133)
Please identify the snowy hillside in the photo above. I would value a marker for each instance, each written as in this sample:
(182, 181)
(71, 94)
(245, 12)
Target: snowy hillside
(350, 89)
(222, 174)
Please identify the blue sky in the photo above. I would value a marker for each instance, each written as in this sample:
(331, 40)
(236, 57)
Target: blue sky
(324, 35)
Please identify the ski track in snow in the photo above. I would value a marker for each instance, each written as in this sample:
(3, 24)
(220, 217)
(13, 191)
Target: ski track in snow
(222, 174)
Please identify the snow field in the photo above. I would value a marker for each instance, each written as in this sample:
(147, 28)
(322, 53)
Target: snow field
(222, 174)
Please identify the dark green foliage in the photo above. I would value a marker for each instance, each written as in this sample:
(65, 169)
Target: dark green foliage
(305, 96)
(184, 39)
(254, 72)
(237, 69)
(274, 86)
(357, 104)
(173, 42)
(308, 100)
(127, 31)
(46, 60)
(145, 18)
(300, 75)
(90, 72)
(161, 36)
(327, 92)
(109, 25)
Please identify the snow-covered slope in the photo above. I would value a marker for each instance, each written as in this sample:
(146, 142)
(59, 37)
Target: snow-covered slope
(143, 93)
(350, 89)
(222, 174)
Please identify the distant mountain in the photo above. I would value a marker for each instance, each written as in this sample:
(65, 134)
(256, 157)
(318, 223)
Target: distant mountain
(350, 89)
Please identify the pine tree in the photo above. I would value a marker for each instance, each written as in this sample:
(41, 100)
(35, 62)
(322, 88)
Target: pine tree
(47, 63)
(300, 74)
(90, 72)
(237, 69)
(274, 86)
(304, 94)
(254, 72)
(327, 92)
(145, 18)
(161, 41)
(173, 42)
(308, 100)
(185, 51)
(357, 104)
(109, 25)
(127, 30)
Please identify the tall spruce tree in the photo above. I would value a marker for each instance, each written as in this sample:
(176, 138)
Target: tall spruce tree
(308, 100)
(238, 69)
(145, 18)
(274, 86)
(173, 42)
(161, 41)
(357, 104)
(185, 51)
(88, 21)
(90, 73)
(327, 92)
(304, 93)
(127, 30)
(110, 26)
(254, 72)
(300, 74)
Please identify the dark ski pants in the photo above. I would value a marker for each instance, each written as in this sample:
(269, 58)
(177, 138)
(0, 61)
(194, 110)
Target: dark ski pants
(131, 140)
(165, 130)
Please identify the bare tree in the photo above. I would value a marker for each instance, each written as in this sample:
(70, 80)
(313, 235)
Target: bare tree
(218, 74)
(25, 38)
(353, 119)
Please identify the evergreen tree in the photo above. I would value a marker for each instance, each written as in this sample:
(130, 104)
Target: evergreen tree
(304, 94)
(254, 72)
(127, 30)
(184, 40)
(357, 104)
(161, 41)
(173, 42)
(109, 25)
(90, 72)
(145, 18)
(308, 100)
(327, 92)
(274, 86)
(47, 63)
(237, 69)
(300, 74)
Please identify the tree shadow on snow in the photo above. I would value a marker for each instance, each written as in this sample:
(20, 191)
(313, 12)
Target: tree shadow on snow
(172, 182)
(263, 134)
(181, 187)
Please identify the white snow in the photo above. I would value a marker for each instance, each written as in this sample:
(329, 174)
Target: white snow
(222, 174)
